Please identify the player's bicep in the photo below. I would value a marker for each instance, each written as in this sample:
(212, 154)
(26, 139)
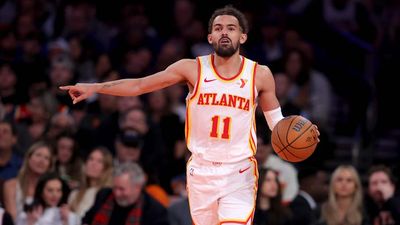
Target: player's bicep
(175, 73)
(266, 87)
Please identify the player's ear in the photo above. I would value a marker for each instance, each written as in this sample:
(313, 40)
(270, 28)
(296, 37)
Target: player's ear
(209, 38)
(243, 38)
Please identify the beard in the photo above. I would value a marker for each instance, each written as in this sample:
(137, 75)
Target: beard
(123, 202)
(225, 51)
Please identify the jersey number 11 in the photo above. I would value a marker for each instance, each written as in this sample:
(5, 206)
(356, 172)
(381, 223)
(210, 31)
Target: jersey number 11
(214, 129)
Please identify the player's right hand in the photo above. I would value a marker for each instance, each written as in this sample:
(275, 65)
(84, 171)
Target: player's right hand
(79, 91)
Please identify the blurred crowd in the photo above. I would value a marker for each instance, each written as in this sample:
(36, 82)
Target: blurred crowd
(332, 61)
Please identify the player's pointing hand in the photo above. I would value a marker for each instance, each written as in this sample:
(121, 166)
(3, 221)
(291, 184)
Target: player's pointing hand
(79, 91)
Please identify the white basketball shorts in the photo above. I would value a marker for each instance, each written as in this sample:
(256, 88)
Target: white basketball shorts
(222, 193)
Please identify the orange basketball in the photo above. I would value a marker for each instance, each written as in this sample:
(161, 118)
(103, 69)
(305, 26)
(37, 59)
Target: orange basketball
(294, 138)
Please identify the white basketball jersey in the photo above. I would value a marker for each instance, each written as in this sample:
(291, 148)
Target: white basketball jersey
(220, 123)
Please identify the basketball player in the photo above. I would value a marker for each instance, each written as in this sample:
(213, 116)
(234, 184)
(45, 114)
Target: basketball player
(224, 89)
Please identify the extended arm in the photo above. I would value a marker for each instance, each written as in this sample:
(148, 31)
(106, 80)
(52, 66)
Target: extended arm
(269, 104)
(180, 71)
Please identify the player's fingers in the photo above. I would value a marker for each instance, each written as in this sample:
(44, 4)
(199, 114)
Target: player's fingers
(78, 99)
(65, 87)
(316, 129)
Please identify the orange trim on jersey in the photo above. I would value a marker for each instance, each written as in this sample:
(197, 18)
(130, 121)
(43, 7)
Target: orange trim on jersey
(252, 144)
(197, 86)
(188, 101)
(253, 128)
(187, 123)
(214, 69)
(253, 84)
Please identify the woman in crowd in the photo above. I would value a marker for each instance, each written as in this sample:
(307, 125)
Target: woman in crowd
(49, 206)
(269, 207)
(97, 174)
(68, 163)
(344, 205)
(20, 190)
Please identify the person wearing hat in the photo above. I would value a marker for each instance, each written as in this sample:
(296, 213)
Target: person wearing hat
(128, 147)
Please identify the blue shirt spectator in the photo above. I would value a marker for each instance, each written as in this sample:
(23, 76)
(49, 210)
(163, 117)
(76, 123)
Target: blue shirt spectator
(11, 168)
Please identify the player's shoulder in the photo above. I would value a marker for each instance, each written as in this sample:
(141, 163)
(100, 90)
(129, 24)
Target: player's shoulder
(263, 70)
(183, 66)
(185, 63)
(263, 74)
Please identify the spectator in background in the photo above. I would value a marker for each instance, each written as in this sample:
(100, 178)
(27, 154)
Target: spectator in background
(178, 210)
(345, 200)
(129, 148)
(313, 190)
(153, 153)
(8, 45)
(49, 205)
(383, 206)
(81, 52)
(283, 86)
(287, 173)
(97, 174)
(172, 132)
(310, 91)
(8, 87)
(68, 163)
(126, 201)
(10, 162)
(62, 71)
(269, 51)
(102, 66)
(108, 112)
(20, 190)
(61, 122)
(269, 207)
(41, 108)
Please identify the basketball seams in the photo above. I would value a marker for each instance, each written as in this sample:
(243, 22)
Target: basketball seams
(287, 132)
(282, 133)
(284, 148)
(299, 136)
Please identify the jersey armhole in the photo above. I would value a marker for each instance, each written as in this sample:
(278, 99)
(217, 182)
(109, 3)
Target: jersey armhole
(197, 84)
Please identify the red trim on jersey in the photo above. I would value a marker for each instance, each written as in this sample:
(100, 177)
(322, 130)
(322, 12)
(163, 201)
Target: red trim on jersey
(254, 82)
(219, 75)
(196, 87)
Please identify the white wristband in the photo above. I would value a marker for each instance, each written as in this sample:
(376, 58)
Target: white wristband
(273, 117)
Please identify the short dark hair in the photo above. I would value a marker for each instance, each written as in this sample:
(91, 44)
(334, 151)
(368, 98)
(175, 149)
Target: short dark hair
(384, 169)
(12, 125)
(231, 11)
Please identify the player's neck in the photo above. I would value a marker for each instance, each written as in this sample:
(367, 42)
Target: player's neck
(226, 61)
(228, 66)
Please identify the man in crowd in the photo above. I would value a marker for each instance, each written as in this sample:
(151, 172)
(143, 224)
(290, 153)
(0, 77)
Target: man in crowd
(126, 202)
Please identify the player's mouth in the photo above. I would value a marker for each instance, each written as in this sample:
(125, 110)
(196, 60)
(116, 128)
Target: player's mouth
(224, 41)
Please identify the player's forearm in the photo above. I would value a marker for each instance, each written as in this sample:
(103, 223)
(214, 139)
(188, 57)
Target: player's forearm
(122, 87)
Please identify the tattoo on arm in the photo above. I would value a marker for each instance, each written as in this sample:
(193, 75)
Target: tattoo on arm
(113, 83)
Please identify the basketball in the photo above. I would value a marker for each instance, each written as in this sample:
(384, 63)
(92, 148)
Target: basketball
(294, 138)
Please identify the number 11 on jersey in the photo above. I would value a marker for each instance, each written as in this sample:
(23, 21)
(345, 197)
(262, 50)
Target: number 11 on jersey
(215, 124)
